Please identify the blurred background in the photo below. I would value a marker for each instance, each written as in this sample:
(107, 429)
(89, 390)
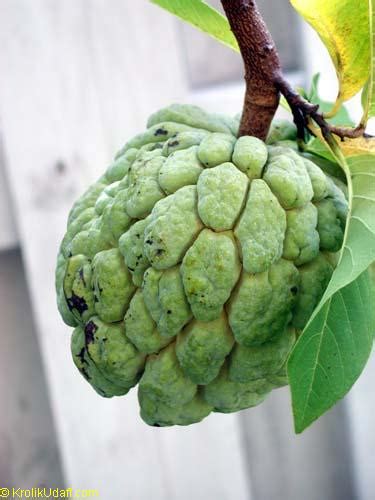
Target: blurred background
(77, 79)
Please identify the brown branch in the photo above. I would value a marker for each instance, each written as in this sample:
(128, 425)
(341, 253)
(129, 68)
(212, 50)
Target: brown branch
(303, 110)
(261, 62)
(265, 82)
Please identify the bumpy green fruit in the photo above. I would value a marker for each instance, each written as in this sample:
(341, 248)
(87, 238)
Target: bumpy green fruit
(282, 130)
(191, 266)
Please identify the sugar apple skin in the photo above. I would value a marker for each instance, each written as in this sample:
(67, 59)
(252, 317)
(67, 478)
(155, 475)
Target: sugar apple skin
(192, 265)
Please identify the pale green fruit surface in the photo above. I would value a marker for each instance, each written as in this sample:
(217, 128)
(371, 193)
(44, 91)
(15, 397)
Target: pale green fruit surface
(192, 265)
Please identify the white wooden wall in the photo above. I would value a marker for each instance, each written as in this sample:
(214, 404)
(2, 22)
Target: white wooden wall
(29, 453)
(81, 76)
(8, 232)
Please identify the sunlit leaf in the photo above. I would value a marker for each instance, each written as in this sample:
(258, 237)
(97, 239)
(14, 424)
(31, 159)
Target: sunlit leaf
(202, 16)
(360, 146)
(368, 94)
(343, 26)
(350, 147)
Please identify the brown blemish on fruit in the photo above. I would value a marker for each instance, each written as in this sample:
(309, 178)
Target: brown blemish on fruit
(90, 330)
(77, 303)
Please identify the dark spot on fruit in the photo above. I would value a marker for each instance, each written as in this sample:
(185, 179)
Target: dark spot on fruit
(160, 131)
(149, 242)
(83, 370)
(294, 290)
(159, 252)
(173, 144)
(78, 303)
(90, 330)
(82, 276)
(81, 355)
(169, 311)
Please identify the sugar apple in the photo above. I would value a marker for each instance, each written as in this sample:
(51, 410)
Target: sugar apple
(190, 267)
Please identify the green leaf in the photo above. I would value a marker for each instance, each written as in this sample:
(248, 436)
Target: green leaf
(317, 147)
(332, 352)
(343, 26)
(202, 16)
(335, 345)
(359, 247)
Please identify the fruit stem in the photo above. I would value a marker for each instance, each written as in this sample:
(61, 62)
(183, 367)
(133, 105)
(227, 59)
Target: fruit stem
(265, 81)
(262, 66)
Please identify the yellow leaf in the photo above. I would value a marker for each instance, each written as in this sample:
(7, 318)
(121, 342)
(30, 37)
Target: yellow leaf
(348, 147)
(368, 94)
(343, 26)
(360, 146)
